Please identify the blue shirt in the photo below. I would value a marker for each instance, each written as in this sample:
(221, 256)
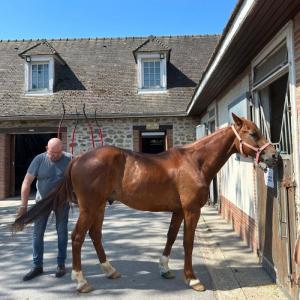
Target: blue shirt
(48, 173)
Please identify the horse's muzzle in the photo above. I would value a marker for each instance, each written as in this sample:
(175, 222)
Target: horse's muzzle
(271, 160)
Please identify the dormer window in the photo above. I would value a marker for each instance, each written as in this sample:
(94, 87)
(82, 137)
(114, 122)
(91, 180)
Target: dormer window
(39, 75)
(152, 57)
(152, 73)
(40, 60)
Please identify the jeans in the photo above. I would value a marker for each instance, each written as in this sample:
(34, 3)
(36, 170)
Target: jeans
(61, 216)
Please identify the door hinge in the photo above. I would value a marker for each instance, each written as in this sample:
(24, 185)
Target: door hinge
(287, 182)
(294, 279)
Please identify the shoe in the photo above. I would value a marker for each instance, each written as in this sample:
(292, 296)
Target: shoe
(33, 273)
(61, 271)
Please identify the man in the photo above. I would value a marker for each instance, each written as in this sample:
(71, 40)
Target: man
(48, 168)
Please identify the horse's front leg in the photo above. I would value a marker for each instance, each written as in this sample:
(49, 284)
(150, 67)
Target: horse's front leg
(171, 237)
(191, 217)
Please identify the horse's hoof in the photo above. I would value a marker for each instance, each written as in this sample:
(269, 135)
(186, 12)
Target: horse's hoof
(195, 284)
(86, 288)
(168, 275)
(199, 287)
(114, 275)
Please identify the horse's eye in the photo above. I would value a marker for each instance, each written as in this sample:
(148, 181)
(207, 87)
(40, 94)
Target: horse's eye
(253, 134)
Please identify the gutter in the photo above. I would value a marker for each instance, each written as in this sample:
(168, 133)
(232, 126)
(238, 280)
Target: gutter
(92, 116)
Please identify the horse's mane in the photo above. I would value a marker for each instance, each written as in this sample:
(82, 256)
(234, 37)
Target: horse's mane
(204, 139)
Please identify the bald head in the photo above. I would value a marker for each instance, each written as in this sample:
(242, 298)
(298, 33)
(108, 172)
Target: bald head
(54, 149)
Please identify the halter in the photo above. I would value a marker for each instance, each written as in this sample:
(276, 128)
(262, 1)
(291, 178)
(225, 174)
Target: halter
(257, 150)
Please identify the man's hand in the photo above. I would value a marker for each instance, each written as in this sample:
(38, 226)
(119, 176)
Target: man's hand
(21, 211)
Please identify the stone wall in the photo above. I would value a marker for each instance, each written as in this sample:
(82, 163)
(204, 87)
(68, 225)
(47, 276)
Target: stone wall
(118, 132)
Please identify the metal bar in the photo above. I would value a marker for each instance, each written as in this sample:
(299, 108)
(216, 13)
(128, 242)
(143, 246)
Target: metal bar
(74, 133)
(61, 121)
(99, 129)
(90, 126)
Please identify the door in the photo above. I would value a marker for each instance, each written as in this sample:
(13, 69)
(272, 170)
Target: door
(153, 142)
(276, 197)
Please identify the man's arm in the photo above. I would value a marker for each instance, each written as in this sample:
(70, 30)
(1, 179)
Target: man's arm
(25, 191)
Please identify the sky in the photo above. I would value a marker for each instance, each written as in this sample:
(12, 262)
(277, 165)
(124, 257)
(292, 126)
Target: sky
(33, 19)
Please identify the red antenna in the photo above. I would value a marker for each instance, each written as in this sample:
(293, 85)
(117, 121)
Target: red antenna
(74, 133)
(99, 129)
(90, 126)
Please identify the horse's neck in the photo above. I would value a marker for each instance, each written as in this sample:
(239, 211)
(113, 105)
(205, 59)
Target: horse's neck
(214, 150)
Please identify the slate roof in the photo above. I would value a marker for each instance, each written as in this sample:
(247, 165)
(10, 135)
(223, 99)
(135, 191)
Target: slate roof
(102, 73)
(42, 48)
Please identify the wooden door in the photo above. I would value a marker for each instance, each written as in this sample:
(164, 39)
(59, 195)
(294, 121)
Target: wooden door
(277, 223)
(276, 195)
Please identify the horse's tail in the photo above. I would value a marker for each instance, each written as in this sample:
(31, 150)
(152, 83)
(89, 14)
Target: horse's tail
(62, 193)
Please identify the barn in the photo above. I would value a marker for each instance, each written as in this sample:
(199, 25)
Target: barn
(130, 92)
(255, 72)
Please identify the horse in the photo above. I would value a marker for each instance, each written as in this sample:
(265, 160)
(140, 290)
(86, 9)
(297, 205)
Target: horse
(175, 181)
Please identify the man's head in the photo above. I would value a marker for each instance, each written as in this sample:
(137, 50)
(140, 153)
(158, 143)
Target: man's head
(54, 149)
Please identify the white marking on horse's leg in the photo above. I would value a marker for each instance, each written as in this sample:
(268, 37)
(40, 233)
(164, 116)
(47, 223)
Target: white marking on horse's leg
(195, 284)
(107, 268)
(163, 264)
(192, 282)
(81, 281)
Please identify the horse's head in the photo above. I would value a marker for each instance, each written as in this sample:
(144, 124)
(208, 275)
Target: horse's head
(250, 142)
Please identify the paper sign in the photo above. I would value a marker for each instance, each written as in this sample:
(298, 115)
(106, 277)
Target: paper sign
(269, 180)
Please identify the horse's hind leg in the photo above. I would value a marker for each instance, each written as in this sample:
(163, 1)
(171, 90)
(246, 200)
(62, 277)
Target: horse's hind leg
(171, 237)
(78, 236)
(95, 233)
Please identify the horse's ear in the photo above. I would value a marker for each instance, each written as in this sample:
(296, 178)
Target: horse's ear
(237, 120)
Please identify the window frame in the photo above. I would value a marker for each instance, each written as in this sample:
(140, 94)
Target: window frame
(163, 72)
(28, 75)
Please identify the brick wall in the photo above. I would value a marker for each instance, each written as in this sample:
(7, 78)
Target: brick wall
(242, 224)
(169, 138)
(4, 165)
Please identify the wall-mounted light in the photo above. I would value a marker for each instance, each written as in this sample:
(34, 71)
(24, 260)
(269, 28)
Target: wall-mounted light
(162, 56)
(28, 58)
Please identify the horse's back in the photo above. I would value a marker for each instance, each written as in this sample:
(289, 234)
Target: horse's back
(141, 181)
(97, 171)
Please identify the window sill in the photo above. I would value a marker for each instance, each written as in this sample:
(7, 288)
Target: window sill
(149, 91)
(39, 93)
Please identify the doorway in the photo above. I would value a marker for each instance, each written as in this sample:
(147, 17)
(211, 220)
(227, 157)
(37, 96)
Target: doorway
(27, 146)
(153, 142)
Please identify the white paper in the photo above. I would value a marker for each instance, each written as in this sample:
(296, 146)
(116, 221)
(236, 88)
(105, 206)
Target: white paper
(269, 181)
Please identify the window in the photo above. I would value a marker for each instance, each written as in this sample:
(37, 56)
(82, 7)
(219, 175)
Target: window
(39, 76)
(152, 74)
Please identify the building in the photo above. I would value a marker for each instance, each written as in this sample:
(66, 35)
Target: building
(255, 72)
(139, 89)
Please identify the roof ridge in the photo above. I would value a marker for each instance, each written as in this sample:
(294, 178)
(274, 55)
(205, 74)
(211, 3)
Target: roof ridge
(108, 38)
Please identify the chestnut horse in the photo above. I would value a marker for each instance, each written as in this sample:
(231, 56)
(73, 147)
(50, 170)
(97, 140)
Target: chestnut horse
(175, 181)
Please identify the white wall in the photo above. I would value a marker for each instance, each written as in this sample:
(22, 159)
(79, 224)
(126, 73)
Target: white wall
(231, 178)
